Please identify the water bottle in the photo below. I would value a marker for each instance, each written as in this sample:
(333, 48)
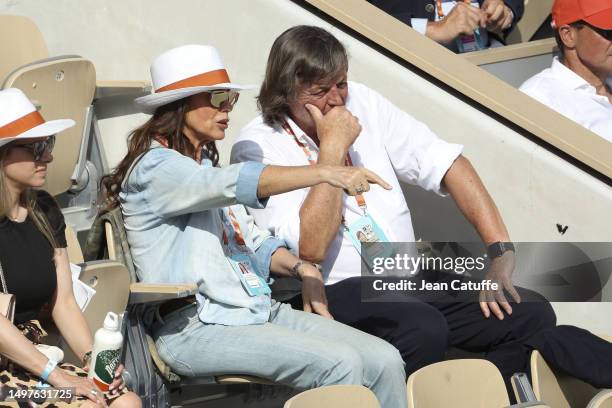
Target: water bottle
(472, 42)
(108, 342)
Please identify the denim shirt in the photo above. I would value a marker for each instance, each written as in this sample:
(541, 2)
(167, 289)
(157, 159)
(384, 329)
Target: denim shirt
(172, 208)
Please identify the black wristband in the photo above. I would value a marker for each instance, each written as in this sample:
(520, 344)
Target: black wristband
(295, 270)
(497, 249)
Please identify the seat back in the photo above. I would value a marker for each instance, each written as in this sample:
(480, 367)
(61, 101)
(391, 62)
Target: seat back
(21, 42)
(62, 88)
(75, 253)
(335, 396)
(468, 383)
(111, 281)
(536, 13)
(558, 389)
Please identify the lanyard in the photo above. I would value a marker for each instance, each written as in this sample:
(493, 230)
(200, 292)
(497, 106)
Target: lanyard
(441, 11)
(236, 227)
(361, 202)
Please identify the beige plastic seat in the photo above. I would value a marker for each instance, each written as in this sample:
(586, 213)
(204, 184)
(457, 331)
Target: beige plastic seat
(21, 42)
(75, 252)
(110, 279)
(335, 396)
(536, 12)
(469, 383)
(61, 87)
(559, 390)
(64, 87)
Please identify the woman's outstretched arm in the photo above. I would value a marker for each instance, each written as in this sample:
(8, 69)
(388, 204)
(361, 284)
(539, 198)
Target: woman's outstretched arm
(281, 179)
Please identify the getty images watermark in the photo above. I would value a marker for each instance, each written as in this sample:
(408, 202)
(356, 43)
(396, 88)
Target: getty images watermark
(462, 271)
(411, 265)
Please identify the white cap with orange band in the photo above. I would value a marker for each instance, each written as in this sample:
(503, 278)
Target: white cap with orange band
(19, 119)
(185, 71)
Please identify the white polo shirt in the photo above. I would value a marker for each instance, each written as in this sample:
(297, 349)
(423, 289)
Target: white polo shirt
(392, 144)
(561, 89)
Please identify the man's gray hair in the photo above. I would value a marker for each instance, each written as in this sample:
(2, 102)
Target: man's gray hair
(302, 55)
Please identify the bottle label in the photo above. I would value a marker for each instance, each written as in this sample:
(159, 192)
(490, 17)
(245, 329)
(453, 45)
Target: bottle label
(104, 369)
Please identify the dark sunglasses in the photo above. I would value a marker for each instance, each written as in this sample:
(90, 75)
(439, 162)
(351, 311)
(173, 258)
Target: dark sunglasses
(607, 34)
(224, 98)
(38, 149)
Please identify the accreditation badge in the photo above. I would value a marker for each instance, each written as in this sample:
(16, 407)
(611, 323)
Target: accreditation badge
(243, 267)
(369, 239)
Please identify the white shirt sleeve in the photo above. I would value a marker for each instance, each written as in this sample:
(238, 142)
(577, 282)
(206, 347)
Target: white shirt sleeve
(419, 24)
(418, 156)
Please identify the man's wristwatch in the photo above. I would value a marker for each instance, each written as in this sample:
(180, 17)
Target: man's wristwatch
(497, 249)
(295, 271)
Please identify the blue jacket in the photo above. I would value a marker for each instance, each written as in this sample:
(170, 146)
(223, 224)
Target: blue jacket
(172, 207)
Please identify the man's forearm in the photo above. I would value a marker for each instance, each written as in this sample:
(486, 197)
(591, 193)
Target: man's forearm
(474, 201)
(321, 212)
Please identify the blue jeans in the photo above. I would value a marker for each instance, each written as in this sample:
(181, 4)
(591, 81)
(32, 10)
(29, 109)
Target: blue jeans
(294, 348)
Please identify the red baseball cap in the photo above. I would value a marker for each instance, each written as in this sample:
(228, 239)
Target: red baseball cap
(594, 12)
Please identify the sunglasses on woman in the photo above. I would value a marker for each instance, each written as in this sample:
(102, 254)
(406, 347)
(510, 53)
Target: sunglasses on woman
(224, 98)
(39, 148)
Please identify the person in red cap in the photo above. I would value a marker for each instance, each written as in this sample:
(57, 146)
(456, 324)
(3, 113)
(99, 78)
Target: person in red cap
(579, 82)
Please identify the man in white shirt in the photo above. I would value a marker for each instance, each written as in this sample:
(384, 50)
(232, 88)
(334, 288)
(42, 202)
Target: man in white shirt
(312, 114)
(579, 83)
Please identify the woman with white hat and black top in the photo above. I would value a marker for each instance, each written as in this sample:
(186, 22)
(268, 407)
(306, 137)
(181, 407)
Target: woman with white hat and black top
(186, 222)
(34, 264)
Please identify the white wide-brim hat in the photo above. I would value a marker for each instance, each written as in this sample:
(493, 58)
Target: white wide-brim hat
(185, 71)
(19, 119)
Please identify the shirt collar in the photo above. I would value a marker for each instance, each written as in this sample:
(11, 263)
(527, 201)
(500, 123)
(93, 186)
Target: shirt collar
(299, 133)
(571, 79)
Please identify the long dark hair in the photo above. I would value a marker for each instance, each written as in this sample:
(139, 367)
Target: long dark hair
(301, 55)
(166, 125)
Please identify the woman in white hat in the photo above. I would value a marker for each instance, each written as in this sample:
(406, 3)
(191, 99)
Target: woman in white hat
(34, 262)
(186, 222)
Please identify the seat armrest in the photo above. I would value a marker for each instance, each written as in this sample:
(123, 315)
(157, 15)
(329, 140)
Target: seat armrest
(106, 89)
(535, 404)
(159, 292)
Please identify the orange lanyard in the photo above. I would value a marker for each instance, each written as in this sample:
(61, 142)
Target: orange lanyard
(237, 230)
(306, 149)
(361, 202)
(441, 10)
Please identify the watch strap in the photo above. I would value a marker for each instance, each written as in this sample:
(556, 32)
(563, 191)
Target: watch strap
(497, 249)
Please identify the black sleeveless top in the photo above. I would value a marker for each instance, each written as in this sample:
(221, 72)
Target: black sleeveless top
(27, 259)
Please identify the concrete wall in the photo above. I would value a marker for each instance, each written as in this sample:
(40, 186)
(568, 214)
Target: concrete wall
(534, 189)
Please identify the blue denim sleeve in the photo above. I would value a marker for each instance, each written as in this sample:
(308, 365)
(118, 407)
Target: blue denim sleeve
(263, 254)
(246, 185)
